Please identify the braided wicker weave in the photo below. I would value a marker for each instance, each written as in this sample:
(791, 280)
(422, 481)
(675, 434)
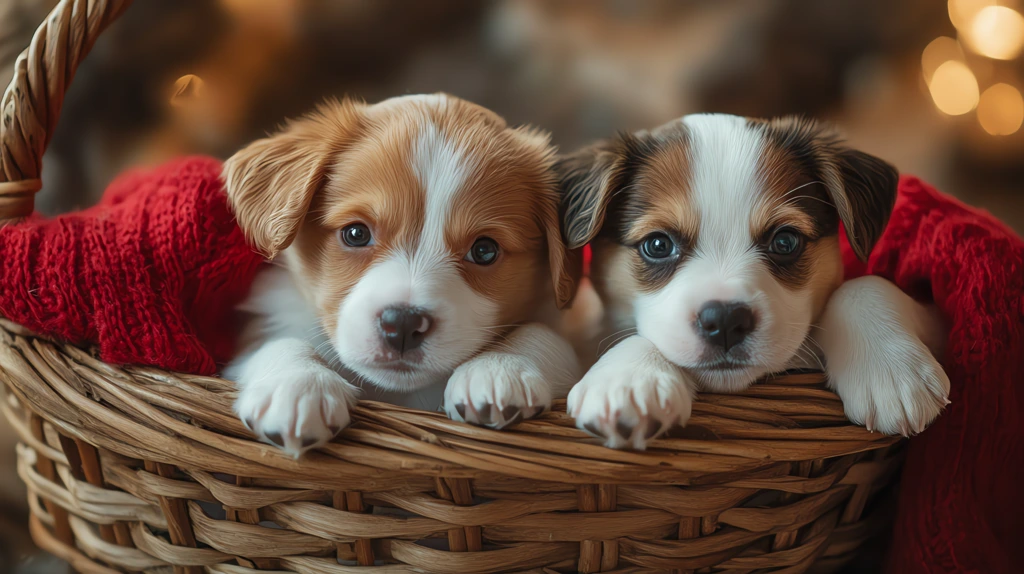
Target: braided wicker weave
(135, 469)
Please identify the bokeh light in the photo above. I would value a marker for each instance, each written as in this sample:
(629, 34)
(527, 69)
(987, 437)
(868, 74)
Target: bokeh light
(954, 88)
(940, 50)
(996, 32)
(1001, 110)
(962, 12)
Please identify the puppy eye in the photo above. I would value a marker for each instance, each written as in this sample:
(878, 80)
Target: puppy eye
(786, 243)
(483, 252)
(356, 235)
(657, 246)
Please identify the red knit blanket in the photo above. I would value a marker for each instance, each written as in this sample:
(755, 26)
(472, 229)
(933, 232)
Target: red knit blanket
(152, 273)
(961, 506)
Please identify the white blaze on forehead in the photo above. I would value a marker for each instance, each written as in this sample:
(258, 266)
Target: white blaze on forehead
(442, 167)
(725, 182)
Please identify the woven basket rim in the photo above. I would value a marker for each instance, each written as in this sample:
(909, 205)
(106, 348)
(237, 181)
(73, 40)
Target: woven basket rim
(186, 420)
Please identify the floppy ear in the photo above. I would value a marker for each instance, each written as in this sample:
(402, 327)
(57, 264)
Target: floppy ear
(566, 265)
(861, 186)
(865, 198)
(588, 179)
(271, 182)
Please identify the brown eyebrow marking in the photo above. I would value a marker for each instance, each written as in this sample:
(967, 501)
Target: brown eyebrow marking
(792, 189)
(659, 199)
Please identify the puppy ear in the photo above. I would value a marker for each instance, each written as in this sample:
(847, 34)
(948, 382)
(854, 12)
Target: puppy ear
(566, 265)
(588, 179)
(862, 187)
(271, 182)
(865, 199)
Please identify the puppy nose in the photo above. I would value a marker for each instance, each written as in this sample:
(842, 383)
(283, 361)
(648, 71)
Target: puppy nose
(724, 324)
(404, 327)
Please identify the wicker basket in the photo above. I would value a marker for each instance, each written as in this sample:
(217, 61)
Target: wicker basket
(136, 469)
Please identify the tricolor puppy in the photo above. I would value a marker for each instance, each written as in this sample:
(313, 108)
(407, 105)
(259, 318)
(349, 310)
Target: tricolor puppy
(715, 242)
(417, 248)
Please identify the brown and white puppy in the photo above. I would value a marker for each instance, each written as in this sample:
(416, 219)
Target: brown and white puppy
(716, 251)
(418, 252)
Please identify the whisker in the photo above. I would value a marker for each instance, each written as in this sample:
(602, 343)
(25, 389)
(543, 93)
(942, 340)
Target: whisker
(615, 342)
(809, 354)
(619, 332)
(799, 187)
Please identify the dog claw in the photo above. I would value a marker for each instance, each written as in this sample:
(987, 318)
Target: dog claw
(624, 430)
(515, 419)
(484, 417)
(653, 429)
(276, 439)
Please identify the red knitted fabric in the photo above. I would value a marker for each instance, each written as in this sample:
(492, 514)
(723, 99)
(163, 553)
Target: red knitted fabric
(150, 275)
(961, 507)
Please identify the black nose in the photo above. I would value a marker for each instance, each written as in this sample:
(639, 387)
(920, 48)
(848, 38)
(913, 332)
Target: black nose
(404, 328)
(724, 324)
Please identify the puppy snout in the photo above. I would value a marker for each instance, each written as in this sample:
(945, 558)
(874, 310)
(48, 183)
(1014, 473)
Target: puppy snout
(725, 324)
(404, 328)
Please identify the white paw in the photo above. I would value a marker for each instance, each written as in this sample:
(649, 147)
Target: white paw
(296, 411)
(898, 393)
(631, 396)
(874, 339)
(496, 390)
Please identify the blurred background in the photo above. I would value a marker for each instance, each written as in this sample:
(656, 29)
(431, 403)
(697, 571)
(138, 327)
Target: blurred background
(932, 86)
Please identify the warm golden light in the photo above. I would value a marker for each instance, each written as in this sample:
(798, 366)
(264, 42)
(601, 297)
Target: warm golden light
(962, 12)
(1001, 110)
(953, 88)
(996, 32)
(941, 49)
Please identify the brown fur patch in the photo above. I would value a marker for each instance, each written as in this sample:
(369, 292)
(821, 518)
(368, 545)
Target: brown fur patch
(374, 183)
(792, 196)
(510, 197)
(826, 272)
(612, 274)
(660, 201)
(662, 185)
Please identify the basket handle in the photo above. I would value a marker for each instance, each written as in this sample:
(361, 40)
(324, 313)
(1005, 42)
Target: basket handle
(32, 102)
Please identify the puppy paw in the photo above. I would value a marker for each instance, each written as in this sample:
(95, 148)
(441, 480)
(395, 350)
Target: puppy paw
(875, 339)
(299, 411)
(631, 396)
(496, 390)
(899, 393)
